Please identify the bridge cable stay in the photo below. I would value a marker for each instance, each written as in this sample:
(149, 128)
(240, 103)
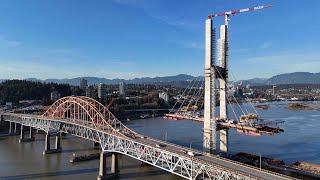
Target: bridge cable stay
(246, 97)
(195, 91)
(199, 95)
(262, 121)
(184, 99)
(195, 97)
(232, 83)
(229, 99)
(229, 91)
(172, 109)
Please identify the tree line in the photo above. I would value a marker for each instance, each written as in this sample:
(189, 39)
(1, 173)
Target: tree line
(16, 90)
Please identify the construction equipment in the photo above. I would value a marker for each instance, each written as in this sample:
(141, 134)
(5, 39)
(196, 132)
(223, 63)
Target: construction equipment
(248, 117)
(239, 11)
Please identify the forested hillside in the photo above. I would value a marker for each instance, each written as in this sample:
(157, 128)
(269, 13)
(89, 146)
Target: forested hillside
(15, 90)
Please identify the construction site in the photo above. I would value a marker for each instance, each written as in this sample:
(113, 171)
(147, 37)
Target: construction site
(216, 88)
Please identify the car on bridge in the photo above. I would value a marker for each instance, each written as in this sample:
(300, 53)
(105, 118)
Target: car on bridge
(160, 145)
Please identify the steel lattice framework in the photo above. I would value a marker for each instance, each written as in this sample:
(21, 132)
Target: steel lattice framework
(87, 118)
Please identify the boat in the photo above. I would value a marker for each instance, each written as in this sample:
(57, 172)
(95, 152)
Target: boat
(84, 158)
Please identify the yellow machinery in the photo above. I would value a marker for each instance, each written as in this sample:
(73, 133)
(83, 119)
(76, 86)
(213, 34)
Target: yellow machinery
(189, 108)
(248, 117)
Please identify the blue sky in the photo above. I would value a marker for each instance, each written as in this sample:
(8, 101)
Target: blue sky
(138, 38)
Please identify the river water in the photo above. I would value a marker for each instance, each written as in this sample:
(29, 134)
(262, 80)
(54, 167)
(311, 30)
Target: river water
(299, 142)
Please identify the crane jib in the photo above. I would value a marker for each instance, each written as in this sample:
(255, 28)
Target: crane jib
(239, 11)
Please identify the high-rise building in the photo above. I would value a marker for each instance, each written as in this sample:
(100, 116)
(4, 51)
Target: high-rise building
(101, 91)
(89, 91)
(54, 96)
(164, 96)
(83, 84)
(122, 89)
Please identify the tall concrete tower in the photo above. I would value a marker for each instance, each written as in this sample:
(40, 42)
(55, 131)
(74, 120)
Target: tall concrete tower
(209, 130)
(223, 63)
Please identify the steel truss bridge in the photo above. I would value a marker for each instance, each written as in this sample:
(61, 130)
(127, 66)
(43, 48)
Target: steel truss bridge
(87, 118)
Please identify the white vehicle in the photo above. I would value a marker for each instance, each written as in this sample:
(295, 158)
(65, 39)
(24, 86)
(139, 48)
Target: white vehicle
(143, 137)
(160, 145)
(183, 151)
(191, 153)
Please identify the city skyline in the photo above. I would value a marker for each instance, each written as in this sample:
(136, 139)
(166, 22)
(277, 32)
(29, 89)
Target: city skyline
(133, 39)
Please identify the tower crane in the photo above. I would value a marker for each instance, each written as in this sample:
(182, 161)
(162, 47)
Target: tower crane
(239, 11)
(227, 14)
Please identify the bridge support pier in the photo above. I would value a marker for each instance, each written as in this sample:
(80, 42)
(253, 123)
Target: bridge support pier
(115, 164)
(103, 166)
(224, 145)
(13, 129)
(10, 128)
(22, 135)
(58, 139)
(48, 149)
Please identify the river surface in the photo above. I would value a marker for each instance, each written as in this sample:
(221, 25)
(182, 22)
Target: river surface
(299, 142)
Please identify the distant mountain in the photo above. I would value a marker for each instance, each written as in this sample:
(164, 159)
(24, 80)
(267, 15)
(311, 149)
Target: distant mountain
(181, 80)
(288, 78)
(96, 80)
(254, 81)
(295, 78)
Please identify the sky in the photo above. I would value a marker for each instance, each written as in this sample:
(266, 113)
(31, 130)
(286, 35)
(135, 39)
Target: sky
(147, 38)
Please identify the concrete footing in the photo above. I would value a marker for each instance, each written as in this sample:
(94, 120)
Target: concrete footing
(52, 151)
